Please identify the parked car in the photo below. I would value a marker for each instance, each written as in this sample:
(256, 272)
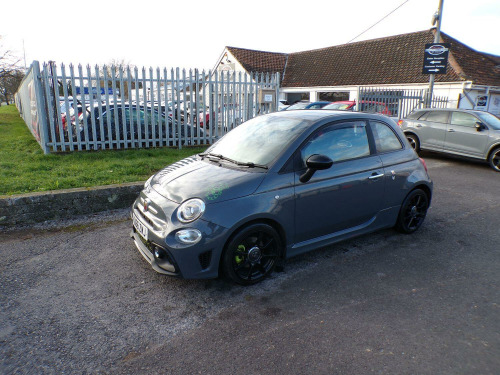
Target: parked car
(474, 134)
(137, 124)
(277, 186)
(204, 116)
(282, 105)
(307, 105)
(366, 106)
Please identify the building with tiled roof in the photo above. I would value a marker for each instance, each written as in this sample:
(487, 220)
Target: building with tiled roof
(395, 62)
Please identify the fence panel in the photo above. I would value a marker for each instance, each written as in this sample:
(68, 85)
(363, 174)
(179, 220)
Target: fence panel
(395, 102)
(112, 107)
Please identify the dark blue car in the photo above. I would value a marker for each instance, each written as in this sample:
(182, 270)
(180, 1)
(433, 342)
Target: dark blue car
(307, 105)
(277, 186)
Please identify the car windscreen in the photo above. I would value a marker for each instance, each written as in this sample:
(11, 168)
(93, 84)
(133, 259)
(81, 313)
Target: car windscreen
(299, 105)
(490, 119)
(336, 106)
(259, 140)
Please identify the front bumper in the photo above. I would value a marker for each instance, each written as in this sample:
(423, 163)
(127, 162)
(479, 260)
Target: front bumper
(163, 252)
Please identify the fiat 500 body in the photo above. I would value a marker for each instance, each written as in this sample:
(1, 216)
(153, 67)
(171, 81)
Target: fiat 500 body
(277, 186)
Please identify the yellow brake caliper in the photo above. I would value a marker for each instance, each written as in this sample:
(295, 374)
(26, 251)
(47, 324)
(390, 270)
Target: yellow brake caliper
(240, 258)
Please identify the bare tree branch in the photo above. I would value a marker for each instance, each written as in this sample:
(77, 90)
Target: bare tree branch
(8, 61)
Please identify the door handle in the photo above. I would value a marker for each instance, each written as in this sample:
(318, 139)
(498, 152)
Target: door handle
(451, 131)
(418, 126)
(375, 176)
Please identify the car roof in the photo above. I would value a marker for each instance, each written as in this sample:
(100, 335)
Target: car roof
(321, 114)
(450, 109)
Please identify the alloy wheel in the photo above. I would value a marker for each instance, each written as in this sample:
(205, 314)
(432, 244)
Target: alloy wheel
(252, 254)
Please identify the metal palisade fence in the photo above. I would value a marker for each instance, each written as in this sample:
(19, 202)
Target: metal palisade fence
(394, 101)
(72, 108)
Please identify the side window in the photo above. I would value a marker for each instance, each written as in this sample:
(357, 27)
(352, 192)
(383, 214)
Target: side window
(437, 116)
(463, 119)
(339, 142)
(385, 139)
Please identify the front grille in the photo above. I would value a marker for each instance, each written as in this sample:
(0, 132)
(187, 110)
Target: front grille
(145, 218)
(154, 217)
(205, 259)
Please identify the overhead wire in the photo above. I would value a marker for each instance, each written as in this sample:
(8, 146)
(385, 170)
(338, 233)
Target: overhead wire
(376, 23)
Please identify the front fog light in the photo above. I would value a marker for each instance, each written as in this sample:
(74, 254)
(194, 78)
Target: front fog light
(188, 236)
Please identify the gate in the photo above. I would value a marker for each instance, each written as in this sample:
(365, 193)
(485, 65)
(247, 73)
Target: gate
(115, 107)
(395, 102)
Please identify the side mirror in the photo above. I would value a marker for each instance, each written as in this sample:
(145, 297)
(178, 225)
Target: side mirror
(479, 126)
(315, 163)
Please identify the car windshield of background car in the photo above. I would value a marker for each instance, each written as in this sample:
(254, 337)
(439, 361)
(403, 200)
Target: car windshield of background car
(259, 140)
(490, 119)
(336, 106)
(298, 106)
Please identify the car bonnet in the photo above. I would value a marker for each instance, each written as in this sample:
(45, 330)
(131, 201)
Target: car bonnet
(194, 178)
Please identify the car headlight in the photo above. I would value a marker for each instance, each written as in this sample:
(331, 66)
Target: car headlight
(190, 210)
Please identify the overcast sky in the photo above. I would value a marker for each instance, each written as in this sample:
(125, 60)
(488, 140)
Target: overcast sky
(193, 33)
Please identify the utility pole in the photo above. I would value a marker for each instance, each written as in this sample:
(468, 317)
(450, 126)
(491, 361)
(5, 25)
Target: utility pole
(24, 54)
(436, 18)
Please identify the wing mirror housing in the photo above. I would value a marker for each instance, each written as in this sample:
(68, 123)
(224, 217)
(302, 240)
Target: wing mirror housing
(315, 163)
(479, 126)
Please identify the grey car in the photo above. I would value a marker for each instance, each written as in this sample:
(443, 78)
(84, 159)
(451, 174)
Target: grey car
(474, 134)
(277, 186)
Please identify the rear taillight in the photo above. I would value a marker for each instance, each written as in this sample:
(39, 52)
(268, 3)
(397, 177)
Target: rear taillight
(400, 123)
(423, 163)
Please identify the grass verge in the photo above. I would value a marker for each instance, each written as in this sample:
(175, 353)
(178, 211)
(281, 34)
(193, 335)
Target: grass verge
(24, 168)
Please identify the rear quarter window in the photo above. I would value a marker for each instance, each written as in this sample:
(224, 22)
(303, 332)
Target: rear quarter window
(436, 116)
(385, 138)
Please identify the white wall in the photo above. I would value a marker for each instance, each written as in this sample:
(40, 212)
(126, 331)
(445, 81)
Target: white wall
(450, 90)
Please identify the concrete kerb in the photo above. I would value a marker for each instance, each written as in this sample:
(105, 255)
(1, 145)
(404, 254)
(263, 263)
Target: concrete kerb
(26, 209)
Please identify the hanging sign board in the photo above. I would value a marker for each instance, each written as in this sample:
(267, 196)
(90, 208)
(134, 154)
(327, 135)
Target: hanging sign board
(436, 58)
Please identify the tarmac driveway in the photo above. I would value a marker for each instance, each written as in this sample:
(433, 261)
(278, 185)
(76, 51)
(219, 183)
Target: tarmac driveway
(82, 300)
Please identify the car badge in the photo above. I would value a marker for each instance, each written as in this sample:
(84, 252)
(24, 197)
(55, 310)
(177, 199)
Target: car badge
(147, 202)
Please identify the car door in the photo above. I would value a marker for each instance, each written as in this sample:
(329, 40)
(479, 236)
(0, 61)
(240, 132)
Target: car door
(463, 137)
(346, 195)
(431, 129)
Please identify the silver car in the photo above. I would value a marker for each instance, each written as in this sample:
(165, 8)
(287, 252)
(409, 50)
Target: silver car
(473, 134)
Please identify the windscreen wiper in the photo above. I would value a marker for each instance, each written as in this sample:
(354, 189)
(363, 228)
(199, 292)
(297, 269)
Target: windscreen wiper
(244, 164)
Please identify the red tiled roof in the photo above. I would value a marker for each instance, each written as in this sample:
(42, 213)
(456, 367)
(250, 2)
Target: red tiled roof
(391, 60)
(476, 66)
(260, 61)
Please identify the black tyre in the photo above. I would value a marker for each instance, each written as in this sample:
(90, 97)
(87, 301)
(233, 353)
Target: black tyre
(413, 211)
(251, 254)
(413, 141)
(494, 159)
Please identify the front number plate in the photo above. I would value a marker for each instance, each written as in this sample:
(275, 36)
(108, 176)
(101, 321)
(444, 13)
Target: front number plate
(140, 227)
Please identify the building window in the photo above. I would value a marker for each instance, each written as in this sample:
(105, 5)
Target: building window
(333, 96)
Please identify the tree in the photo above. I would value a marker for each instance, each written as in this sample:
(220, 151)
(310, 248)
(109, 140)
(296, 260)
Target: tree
(9, 83)
(9, 74)
(118, 63)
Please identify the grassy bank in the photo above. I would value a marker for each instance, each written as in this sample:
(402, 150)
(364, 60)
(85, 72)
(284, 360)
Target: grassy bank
(24, 168)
